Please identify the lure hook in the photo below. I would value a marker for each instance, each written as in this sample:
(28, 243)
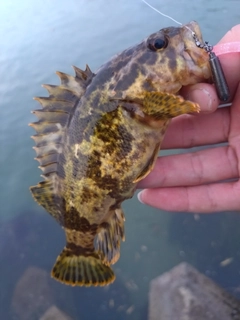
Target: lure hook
(218, 75)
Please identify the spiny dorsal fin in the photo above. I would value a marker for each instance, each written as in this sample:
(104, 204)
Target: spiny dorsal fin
(56, 112)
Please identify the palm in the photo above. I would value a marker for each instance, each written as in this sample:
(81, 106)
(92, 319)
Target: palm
(206, 180)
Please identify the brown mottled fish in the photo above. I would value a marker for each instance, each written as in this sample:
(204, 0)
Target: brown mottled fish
(98, 134)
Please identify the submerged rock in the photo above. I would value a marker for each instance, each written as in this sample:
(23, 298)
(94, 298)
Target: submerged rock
(32, 295)
(53, 313)
(184, 293)
(23, 246)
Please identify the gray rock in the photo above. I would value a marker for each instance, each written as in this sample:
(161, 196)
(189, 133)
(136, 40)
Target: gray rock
(184, 293)
(53, 313)
(32, 295)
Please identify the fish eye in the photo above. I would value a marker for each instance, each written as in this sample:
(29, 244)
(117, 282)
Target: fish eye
(158, 44)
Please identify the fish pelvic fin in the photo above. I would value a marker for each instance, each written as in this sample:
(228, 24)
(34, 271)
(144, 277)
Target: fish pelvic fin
(77, 268)
(108, 240)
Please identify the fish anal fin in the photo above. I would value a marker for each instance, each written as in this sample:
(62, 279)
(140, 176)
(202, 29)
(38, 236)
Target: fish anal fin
(108, 239)
(81, 269)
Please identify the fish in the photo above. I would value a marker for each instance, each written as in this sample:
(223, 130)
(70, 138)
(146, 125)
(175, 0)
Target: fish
(98, 134)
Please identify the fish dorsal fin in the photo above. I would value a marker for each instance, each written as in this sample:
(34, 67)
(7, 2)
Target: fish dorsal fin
(53, 119)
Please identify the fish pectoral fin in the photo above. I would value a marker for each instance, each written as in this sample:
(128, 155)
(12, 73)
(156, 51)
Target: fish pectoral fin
(81, 269)
(108, 240)
(162, 105)
(155, 108)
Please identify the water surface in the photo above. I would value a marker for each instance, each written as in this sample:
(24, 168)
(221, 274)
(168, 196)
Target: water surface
(36, 39)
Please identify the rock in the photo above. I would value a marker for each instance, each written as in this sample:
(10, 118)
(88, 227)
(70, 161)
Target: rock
(53, 313)
(184, 293)
(32, 295)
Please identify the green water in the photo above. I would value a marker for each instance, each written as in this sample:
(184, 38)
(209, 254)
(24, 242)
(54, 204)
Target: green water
(36, 39)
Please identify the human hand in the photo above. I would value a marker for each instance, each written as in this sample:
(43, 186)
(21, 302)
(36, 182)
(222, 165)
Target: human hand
(207, 180)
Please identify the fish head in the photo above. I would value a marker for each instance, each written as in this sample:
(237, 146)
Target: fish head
(165, 61)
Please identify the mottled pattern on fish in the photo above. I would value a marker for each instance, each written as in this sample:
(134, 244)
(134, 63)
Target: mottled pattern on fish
(99, 134)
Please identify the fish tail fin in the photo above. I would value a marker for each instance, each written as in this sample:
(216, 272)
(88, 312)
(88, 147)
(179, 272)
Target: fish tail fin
(81, 269)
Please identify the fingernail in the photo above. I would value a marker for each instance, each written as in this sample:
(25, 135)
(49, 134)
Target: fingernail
(139, 195)
(203, 97)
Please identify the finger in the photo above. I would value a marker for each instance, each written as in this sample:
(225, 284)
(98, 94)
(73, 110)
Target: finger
(201, 199)
(232, 35)
(231, 61)
(196, 168)
(231, 66)
(188, 130)
(202, 93)
(234, 134)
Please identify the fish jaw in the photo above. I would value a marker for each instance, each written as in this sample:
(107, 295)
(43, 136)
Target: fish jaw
(197, 59)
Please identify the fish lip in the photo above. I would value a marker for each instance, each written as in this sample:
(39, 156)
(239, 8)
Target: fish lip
(193, 26)
(200, 63)
(196, 56)
(198, 66)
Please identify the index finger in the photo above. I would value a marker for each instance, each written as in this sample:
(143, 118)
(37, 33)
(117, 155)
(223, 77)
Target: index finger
(187, 131)
(231, 60)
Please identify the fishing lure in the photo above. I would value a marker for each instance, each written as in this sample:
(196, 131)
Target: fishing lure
(218, 75)
(227, 47)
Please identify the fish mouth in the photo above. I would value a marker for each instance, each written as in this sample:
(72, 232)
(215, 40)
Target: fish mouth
(197, 64)
(197, 58)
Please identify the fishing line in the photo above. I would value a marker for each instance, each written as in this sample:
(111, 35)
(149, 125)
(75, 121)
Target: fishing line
(218, 76)
(163, 14)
